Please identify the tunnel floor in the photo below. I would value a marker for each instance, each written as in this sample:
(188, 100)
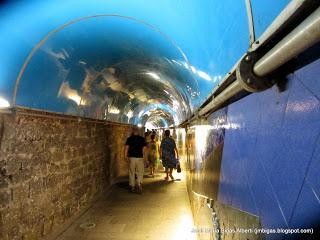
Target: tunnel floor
(161, 212)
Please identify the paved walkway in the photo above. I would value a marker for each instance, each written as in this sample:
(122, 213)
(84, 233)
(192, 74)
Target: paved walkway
(161, 212)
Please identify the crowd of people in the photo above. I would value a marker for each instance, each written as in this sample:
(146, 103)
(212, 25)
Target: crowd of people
(141, 151)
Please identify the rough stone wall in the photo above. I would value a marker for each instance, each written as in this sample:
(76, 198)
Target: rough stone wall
(117, 135)
(50, 169)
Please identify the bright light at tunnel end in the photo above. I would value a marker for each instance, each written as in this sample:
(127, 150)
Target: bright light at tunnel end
(4, 103)
(150, 125)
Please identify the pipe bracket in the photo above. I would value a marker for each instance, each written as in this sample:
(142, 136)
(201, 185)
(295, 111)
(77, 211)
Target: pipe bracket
(246, 77)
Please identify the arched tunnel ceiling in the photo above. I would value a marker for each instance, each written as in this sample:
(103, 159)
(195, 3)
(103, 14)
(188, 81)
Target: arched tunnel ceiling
(150, 63)
(109, 67)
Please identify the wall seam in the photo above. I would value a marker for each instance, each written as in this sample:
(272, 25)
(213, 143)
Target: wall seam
(304, 179)
(314, 192)
(274, 193)
(307, 88)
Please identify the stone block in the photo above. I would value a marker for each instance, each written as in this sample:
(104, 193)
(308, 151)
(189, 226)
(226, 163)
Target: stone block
(5, 198)
(4, 182)
(30, 235)
(20, 193)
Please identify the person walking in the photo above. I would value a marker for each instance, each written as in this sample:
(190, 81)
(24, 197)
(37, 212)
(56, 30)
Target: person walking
(153, 154)
(135, 154)
(169, 154)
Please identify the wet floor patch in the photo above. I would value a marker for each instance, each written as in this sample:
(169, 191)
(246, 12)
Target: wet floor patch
(87, 226)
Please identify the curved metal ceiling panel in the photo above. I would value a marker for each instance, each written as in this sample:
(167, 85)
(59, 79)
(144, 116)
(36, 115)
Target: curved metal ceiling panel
(108, 67)
(264, 14)
(149, 58)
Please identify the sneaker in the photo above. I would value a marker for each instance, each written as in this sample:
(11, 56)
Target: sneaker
(172, 178)
(132, 189)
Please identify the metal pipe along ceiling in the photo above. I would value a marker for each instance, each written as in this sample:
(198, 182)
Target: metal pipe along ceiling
(302, 37)
(305, 35)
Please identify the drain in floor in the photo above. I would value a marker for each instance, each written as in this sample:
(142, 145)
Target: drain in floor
(87, 226)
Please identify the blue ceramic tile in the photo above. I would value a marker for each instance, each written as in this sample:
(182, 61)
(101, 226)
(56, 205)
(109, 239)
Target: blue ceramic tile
(302, 106)
(268, 207)
(243, 198)
(307, 210)
(313, 175)
(252, 206)
(246, 112)
(225, 191)
(310, 77)
(287, 168)
(273, 104)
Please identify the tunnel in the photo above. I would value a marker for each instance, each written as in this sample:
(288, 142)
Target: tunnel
(235, 83)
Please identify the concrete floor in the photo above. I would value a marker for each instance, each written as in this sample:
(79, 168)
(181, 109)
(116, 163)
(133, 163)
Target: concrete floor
(161, 212)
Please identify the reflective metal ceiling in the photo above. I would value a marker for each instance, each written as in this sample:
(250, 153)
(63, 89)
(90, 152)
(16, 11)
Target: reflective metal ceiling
(140, 62)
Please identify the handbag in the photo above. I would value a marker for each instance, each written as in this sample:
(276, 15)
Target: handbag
(178, 167)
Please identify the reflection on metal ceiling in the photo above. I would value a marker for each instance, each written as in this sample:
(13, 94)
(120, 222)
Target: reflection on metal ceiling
(140, 62)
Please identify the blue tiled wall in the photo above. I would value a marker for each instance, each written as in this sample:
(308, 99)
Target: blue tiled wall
(271, 160)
